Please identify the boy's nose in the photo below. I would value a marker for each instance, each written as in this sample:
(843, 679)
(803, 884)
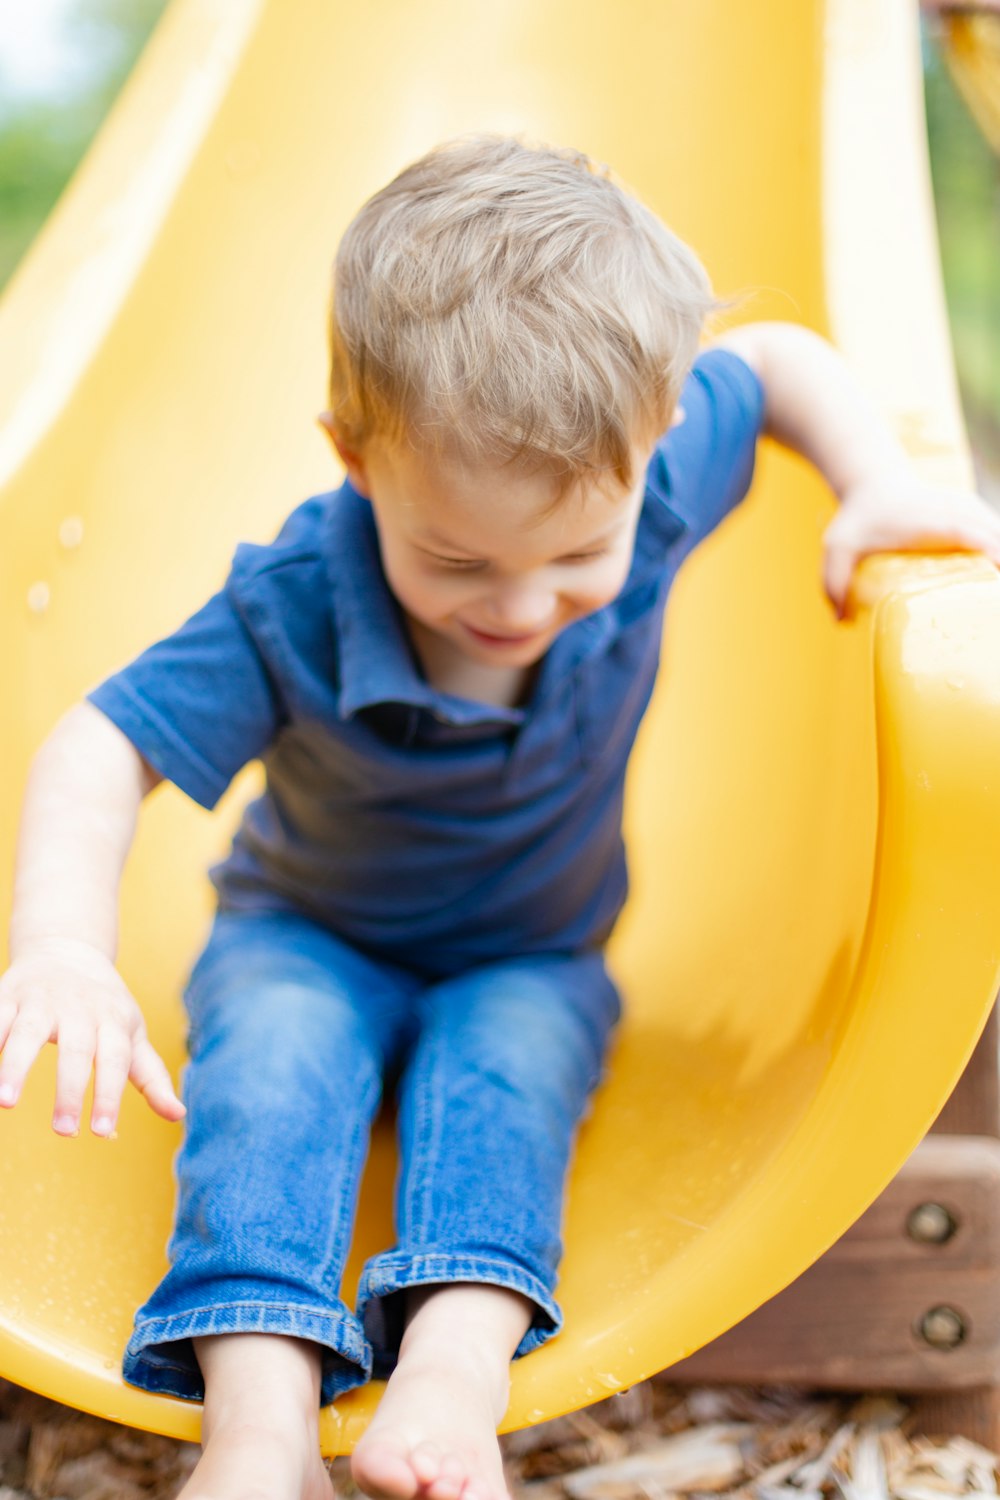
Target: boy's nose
(523, 608)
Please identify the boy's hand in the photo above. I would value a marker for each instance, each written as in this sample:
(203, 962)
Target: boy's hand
(896, 512)
(68, 992)
(814, 405)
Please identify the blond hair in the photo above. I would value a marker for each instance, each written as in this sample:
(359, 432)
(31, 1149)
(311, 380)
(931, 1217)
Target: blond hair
(505, 302)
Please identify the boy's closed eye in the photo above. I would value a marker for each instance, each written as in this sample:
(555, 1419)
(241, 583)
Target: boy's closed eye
(469, 564)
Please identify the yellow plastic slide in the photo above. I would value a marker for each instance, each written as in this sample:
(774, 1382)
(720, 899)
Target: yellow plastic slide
(813, 942)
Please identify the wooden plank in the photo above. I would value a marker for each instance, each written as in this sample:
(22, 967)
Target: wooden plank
(973, 1414)
(959, 1175)
(861, 1317)
(974, 1107)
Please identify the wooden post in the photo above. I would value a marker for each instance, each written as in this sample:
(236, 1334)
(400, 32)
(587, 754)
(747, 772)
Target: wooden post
(973, 1109)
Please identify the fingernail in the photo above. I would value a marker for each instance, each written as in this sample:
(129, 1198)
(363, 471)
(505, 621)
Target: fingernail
(64, 1125)
(103, 1126)
(7, 1094)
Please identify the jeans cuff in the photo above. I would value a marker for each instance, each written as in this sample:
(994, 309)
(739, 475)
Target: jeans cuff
(380, 1309)
(160, 1356)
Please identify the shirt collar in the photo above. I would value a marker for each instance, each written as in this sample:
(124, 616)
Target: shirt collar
(377, 660)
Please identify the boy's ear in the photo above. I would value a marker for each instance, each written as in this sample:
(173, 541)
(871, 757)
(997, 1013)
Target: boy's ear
(351, 459)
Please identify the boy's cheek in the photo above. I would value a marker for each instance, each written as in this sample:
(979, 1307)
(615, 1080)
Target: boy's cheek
(429, 598)
(612, 583)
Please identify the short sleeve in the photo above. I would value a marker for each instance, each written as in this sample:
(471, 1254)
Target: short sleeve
(703, 467)
(199, 704)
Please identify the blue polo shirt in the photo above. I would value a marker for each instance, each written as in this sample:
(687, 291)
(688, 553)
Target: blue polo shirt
(431, 829)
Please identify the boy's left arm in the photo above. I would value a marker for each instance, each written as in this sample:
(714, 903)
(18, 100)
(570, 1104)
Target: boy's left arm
(814, 405)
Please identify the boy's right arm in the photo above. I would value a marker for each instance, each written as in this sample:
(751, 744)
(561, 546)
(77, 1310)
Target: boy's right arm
(83, 795)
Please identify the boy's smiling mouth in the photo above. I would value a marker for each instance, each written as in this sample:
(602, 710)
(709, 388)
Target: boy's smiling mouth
(487, 638)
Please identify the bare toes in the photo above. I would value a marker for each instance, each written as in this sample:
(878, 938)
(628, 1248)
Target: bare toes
(385, 1473)
(474, 1490)
(451, 1479)
(427, 1462)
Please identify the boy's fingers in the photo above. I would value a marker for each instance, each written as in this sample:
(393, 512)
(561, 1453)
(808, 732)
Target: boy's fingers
(838, 569)
(150, 1076)
(111, 1068)
(8, 1010)
(28, 1035)
(74, 1060)
(978, 538)
(841, 557)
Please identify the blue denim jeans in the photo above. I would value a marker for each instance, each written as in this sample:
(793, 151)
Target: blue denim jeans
(292, 1032)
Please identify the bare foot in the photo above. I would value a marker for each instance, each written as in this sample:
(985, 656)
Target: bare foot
(243, 1462)
(260, 1428)
(434, 1435)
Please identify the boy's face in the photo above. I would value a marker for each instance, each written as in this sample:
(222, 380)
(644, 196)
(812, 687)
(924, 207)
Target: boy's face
(483, 558)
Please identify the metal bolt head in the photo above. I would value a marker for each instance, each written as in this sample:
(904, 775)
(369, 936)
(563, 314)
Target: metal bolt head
(931, 1224)
(942, 1327)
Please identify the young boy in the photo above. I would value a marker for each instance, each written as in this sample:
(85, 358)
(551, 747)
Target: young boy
(443, 665)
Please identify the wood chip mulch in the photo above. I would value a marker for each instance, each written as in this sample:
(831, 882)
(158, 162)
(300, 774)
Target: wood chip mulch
(655, 1442)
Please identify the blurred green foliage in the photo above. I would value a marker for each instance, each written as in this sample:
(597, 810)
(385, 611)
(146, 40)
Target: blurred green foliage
(967, 192)
(41, 141)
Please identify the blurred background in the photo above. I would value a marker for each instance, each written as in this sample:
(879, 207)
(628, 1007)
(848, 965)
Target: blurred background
(63, 61)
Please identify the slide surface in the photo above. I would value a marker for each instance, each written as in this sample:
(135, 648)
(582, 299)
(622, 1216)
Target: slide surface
(813, 817)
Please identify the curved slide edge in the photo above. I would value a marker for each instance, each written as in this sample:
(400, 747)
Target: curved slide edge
(927, 972)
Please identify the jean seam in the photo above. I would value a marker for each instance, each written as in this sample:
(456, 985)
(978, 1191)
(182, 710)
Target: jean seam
(376, 1282)
(340, 1333)
(342, 1217)
(213, 1307)
(426, 1134)
(438, 1259)
(177, 1325)
(164, 1364)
